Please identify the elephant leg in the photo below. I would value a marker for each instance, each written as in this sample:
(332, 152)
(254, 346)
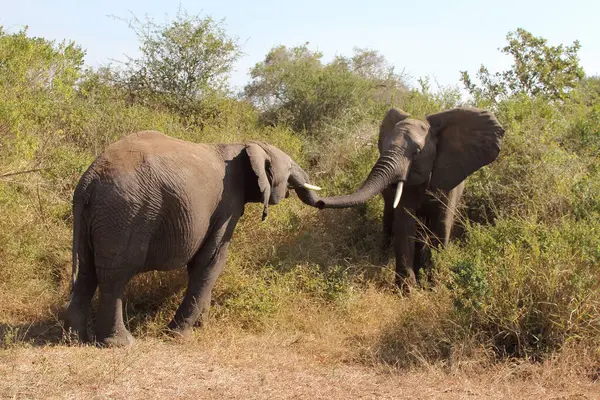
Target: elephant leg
(440, 217)
(203, 272)
(404, 247)
(110, 329)
(388, 215)
(441, 214)
(436, 236)
(419, 253)
(451, 211)
(80, 304)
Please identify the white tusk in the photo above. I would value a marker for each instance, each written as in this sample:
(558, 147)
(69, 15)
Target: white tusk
(310, 187)
(398, 194)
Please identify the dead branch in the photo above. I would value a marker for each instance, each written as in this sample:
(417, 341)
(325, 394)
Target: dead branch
(13, 173)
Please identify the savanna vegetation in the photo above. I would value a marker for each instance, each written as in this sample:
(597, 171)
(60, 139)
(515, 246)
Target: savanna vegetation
(522, 283)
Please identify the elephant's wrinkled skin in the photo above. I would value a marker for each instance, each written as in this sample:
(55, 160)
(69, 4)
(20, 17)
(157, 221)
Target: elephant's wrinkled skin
(426, 163)
(151, 202)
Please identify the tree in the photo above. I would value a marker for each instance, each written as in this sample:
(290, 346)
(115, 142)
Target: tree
(537, 70)
(36, 64)
(37, 78)
(293, 87)
(181, 62)
(373, 66)
(590, 88)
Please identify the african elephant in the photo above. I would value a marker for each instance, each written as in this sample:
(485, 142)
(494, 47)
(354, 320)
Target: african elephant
(152, 202)
(431, 161)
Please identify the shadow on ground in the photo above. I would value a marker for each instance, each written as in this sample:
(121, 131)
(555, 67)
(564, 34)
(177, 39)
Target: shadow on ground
(39, 333)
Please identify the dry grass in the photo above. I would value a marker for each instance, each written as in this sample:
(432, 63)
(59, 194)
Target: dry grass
(304, 351)
(305, 307)
(228, 363)
(308, 313)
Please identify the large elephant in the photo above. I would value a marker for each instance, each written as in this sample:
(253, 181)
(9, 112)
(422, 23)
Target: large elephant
(151, 202)
(429, 160)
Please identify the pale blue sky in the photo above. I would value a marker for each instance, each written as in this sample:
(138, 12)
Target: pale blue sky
(433, 38)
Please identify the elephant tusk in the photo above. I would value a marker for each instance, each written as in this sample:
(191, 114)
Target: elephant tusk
(310, 187)
(398, 193)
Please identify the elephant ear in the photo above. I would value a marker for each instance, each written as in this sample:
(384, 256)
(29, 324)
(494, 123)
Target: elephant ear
(392, 117)
(260, 160)
(467, 139)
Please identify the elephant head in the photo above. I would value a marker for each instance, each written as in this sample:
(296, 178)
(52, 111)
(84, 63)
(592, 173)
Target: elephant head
(443, 151)
(276, 173)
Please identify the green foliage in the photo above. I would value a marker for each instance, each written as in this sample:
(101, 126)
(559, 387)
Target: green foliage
(528, 284)
(528, 287)
(586, 130)
(295, 88)
(183, 63)
(422, 101)
(538, 70)
(543, 166)
(524, 281)
(590, 88)
(34, 66)
(37, 83)
(468, 284)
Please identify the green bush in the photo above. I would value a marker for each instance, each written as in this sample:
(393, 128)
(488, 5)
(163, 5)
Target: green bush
(538, 70)
(183, 65)
(527, 287)
(293, 87)
(586, 131)
(37, 84)
(523, 282)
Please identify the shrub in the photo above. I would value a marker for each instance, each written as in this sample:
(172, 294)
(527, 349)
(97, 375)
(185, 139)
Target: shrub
(183, 63)
(293, 87)
(527, 287)
(37, 83)
(538, 69)
(526, 284)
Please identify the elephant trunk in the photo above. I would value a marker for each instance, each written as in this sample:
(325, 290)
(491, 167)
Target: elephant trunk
(305, 191)
(391, 167)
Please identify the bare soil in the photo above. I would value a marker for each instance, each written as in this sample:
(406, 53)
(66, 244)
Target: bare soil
(260, 366)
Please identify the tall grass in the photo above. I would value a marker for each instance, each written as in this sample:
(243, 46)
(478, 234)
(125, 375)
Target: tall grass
(524, 281)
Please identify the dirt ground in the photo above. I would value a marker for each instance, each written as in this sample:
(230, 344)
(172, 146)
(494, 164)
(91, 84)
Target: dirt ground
(258, 367)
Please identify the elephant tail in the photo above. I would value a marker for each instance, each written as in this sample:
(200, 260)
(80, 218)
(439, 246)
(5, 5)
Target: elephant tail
(77, 215)
(82, 251)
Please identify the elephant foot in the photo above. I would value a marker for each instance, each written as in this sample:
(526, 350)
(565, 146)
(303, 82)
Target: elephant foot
(182, 331)
(71, 335)
(384, 255)
(118, 339)
(181, 334)
(75, 324)
(406, 284)
(387, 240)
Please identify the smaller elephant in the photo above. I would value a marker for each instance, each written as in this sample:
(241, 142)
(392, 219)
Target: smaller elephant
(151, 202)
(422, 168)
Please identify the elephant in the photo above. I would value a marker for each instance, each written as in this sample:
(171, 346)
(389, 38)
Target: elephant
(153, 202)
(422, 167)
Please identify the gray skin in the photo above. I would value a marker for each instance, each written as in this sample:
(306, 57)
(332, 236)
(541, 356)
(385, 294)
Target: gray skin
(151, 202)
(432, 158)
